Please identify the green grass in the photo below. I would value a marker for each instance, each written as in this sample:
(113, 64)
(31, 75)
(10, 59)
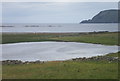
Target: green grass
(113, 54)
(62, 70)
(100, 38)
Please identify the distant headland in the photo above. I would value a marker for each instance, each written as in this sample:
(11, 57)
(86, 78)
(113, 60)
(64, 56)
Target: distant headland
(106, 16)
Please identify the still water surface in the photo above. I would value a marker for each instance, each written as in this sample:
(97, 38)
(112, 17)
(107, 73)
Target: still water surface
(51, 51)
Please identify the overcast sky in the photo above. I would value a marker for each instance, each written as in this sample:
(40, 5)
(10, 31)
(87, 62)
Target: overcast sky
(59, 0)
(52, 12)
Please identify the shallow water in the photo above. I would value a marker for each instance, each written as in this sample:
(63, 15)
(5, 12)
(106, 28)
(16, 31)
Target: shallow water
(51, 51)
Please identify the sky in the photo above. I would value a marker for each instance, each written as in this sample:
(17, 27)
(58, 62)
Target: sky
(59, 0)
(52, 12)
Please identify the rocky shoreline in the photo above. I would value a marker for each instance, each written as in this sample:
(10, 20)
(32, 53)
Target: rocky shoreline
(9, 62)
(96, 58)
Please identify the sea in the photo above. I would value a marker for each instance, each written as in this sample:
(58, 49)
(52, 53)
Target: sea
(57, 27)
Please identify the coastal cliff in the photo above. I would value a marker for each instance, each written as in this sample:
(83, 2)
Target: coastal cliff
(106, 16)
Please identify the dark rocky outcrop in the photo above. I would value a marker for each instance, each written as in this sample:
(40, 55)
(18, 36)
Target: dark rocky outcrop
(106, 16)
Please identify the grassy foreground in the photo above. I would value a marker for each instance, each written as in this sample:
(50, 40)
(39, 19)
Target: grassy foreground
(108, 38)
(63, 70)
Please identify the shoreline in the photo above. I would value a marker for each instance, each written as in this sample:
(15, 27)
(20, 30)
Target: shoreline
(92, 32)
(93, 58)
(60, 41)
